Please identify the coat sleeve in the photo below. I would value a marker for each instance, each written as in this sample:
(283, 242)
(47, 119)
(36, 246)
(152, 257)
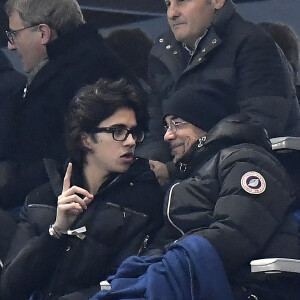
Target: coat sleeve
(30, 261)
(263, 82)
(242, 222)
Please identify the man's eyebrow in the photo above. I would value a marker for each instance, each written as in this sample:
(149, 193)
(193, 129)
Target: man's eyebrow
(176, 118)
(172, 118)
(121, 125)
(118, 125)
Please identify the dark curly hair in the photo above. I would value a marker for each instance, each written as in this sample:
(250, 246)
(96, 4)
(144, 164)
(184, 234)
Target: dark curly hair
(97, 102)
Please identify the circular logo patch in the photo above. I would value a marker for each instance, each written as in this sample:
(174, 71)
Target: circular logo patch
(253, 183)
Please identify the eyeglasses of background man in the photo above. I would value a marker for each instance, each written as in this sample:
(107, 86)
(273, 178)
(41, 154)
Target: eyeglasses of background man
(181, 135)
(11, 35)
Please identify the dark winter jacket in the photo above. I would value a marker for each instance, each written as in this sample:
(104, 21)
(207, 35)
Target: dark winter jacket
(236, 53)
(77, 58)
(122, 216)
(237, 196)
(11, 82)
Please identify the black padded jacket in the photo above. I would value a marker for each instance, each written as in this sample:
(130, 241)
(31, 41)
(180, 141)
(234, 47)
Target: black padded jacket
(123, 215)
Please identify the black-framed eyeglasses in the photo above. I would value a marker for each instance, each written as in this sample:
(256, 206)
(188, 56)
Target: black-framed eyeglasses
(120, 134)
(11, 35)
(174, 126)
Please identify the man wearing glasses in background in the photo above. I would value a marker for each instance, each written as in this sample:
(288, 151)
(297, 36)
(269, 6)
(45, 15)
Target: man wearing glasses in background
(106, 208)
(60, 54)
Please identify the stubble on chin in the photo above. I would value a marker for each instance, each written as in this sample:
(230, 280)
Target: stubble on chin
(186, 146)
(177, 156)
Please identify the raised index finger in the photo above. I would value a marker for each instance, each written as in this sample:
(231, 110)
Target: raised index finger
(67, 178)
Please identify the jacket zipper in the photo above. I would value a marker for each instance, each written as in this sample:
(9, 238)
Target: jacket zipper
(144, 244)
(168, 210)
(201, 141)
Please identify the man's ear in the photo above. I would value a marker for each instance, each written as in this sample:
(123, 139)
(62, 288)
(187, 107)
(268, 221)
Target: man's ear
(218, 3)
(47, 34)
(86, 141)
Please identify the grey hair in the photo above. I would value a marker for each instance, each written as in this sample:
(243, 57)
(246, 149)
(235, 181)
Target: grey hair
(60, 15)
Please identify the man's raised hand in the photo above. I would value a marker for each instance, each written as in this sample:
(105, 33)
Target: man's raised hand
(72, 202)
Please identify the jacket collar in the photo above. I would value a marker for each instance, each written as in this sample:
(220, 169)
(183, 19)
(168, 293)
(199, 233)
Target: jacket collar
(171, 52)
(223, 16)
(65, 50)
(176, 58)
(209, 43)
(213, 38)
(82, 33)
(56, 171)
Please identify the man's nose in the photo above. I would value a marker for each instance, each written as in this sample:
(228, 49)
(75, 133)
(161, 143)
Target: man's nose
(130, 140)
(10, 46)
(169, 135)
(173, 11)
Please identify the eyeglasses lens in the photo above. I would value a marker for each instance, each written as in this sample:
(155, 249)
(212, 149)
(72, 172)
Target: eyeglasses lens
(121, 134)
